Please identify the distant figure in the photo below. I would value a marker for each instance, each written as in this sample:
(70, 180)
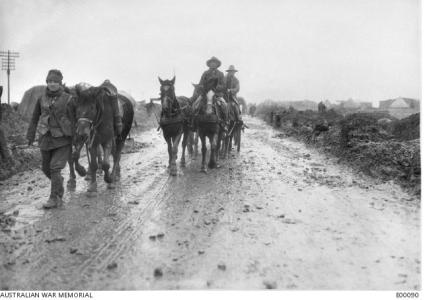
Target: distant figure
(321, 107)
(252, 110)
(278, 120)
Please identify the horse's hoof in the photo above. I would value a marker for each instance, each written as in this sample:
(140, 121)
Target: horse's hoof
(111, 186)
(182, 164)
(107, 178)
(88, 177)
(80, 170)
(71, 184)
(212, 165)
(204, 170)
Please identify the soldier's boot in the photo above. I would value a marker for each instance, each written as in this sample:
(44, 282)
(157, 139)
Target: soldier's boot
(56, 191)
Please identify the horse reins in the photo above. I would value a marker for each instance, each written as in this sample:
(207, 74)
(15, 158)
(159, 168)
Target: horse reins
(90, 138)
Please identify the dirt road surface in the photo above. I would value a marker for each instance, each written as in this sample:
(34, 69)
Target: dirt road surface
(277, 215)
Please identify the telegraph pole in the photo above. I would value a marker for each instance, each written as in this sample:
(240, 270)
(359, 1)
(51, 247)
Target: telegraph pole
(8, 64)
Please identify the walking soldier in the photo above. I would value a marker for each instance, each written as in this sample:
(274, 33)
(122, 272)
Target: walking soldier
(54, 120)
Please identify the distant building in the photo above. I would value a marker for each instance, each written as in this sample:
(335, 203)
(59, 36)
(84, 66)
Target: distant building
(400, 107)
(350, 103)
(366, 105)
(302, 104)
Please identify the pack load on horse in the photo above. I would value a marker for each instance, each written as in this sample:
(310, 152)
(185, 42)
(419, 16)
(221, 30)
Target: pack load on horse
(175, 121)
(211, 112)
(101, 125)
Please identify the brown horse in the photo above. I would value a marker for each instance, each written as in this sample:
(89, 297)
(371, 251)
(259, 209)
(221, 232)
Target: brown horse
(185, 104)
(95, 128)
(208, 123)
(172, 122)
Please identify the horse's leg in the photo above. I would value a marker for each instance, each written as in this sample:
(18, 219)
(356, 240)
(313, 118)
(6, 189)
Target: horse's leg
(204, 152)
(107, 149)
(190, 142)
(223, 142)
(92, 189)
(71, 184)
(184, 144)
(100, 155)
(195, 142)
(116, 169)
(213, 155)
(170, 151)
(175, 149)
(229, 145)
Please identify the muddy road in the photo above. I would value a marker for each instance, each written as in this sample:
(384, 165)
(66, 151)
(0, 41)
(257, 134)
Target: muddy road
(277, 215)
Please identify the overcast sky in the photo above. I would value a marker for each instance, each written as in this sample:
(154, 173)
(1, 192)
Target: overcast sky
(283, 49)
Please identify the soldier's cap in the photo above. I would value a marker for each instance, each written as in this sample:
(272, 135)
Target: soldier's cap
(231, 69)
(214, 59)
(54, 75)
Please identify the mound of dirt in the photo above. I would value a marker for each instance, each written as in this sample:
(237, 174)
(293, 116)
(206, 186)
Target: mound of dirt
(389, 160)
(407, 128)
(22, 156)
(373, 142)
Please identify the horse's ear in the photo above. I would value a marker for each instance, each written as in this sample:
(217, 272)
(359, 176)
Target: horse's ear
(173, 80)
(160, 80)
(194, 85)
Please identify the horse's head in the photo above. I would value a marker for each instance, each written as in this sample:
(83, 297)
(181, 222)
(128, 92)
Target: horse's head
(88, 110)
(168, 96)
(197, 91)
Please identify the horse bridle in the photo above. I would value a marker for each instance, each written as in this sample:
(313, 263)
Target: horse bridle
(93, 126)
(171, 108)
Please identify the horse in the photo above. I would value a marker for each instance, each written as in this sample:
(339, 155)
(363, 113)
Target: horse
(173, 122)
(207, 122)
(95, 129)
(185, 104)
(235, 124)
(194, 138)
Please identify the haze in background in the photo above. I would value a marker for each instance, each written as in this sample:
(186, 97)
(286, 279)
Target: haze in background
(283, 49)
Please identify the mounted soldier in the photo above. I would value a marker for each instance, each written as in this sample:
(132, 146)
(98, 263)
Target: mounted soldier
(232, 85)
(213, 80)
(55, 123)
